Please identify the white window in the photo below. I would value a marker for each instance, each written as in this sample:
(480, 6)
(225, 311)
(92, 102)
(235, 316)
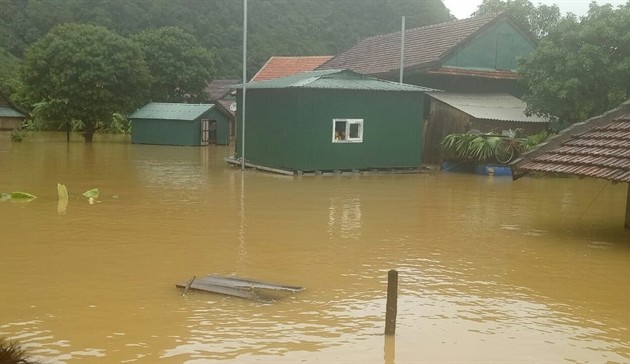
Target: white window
(347, 131)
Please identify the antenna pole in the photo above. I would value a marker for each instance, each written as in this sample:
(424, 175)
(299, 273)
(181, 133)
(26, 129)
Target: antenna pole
(402, 50)
(244, 83)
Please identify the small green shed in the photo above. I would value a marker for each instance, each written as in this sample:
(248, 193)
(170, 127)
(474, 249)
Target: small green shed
(11, 118)
(179, 124)
(331, 120)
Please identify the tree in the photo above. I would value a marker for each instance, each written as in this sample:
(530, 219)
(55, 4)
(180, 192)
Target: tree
(9, 65)
(276, 27)
(537, 20)
(84, 73)
(581, 68)
(180, 66)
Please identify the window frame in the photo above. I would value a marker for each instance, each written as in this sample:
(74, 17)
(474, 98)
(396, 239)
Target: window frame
(348, 122)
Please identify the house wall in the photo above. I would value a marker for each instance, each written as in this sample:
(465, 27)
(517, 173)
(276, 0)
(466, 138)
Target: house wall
(442, 121)
(466, 84)
(166, 132)
(499, 47)
(223, 125)
(10, 123)
(293, 128)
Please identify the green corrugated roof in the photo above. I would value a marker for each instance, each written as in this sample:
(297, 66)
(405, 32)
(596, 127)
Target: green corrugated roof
(171, 111)
(9, 112)
(334, 79)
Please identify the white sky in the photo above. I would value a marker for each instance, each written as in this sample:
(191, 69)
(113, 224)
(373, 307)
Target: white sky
(462, 9)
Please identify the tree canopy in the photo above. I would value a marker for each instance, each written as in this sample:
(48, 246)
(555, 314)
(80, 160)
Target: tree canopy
(276, 27)
(538, 20)
(582, 67)
(180, 67)
(84, 73)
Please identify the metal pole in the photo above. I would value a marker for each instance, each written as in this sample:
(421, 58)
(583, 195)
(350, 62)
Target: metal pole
(402, 50)
(244, 83)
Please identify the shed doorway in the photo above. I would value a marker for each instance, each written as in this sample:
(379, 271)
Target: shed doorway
(205, 131)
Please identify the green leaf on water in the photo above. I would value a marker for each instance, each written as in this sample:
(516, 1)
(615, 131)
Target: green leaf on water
(5, 196)
(22, 196)
(93, 193)
(62, 191)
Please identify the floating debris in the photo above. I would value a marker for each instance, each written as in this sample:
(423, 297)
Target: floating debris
(239, 287)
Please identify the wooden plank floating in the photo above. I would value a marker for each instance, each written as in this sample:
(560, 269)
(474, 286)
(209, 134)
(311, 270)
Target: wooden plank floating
(239, 287)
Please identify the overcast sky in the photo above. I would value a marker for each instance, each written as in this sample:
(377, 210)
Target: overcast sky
(462, 9)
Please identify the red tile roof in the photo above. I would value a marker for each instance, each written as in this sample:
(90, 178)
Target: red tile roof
(277, 67)
(424, 47)
(598, 147)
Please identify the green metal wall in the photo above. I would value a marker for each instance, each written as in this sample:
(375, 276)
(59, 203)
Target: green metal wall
(223, 125)
(167, 132)
(292, 129)
(496, 48)
(178, 132)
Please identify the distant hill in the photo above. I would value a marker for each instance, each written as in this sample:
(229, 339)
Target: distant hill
(275, 27)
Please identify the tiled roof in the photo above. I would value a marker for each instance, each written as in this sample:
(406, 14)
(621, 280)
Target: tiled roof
(489, 106)
(171, 111)
(335, 79)
(424, 46)
(277, 67)
(217, 89)
(598, 147)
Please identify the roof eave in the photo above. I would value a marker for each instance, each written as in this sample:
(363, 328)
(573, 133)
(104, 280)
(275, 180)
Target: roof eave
(563, 136)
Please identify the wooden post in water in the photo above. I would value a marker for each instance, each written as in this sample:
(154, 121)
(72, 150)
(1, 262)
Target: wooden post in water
(627, 223)
(392, 302)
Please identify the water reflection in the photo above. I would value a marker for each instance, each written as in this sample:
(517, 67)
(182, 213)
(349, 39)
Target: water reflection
(490, 270)
(344, 217)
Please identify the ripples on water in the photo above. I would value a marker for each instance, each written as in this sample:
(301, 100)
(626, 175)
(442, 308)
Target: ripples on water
(490, 270)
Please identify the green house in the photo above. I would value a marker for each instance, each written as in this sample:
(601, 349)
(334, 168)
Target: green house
(330, 120)
(474, 55)
(179, 124)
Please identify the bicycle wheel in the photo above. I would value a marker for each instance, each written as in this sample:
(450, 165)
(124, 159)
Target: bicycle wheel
(504, 152)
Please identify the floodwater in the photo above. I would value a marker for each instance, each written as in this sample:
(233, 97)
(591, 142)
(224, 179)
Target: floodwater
(490, 270)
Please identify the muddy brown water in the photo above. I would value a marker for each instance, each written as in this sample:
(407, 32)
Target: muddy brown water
(490, 270)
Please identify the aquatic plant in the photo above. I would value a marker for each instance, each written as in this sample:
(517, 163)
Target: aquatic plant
(12, 353)
(16, 136)
(470, 146)
(92, 195)
(17, 196)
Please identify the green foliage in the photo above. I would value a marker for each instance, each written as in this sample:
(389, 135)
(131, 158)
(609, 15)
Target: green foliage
(9, 79)
(84, 73)
(22, 196)
(16, 136)
(581, 68)
(119, 124)
(470, 147)
(276, 27)
(537, 19)
(535, 139)
(180, 66)
(93, 193)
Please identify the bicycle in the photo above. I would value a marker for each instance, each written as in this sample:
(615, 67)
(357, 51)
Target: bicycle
(509, 147)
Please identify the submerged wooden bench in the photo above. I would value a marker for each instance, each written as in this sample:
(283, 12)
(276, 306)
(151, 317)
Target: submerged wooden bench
(238, 287)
